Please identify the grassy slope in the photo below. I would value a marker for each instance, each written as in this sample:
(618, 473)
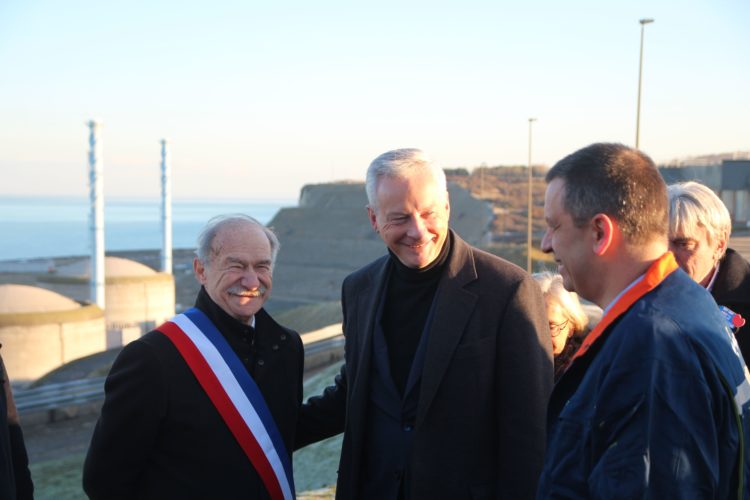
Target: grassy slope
(58, 479)
(315, 466)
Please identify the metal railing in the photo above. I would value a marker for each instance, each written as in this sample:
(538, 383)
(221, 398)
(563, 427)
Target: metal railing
(321, 348)
(59, 395)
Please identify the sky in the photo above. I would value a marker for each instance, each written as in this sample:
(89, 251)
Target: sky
(258, 99)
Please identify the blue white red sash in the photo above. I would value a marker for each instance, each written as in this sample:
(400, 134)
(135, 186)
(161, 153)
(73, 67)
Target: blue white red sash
(236, 397)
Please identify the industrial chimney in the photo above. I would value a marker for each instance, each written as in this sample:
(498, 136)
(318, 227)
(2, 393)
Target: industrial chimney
(96, 216)
(166, 208)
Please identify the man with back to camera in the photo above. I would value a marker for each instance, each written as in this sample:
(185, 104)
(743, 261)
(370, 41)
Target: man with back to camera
(448, 358)
(699, 231)
(206, 405)
(655, 402)
(15, 477)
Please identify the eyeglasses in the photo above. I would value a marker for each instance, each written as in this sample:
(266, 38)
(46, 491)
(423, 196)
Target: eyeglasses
(557, 328)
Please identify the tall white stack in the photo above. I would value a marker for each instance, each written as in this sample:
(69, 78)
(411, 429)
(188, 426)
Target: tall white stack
(166, 208)
(96, 216)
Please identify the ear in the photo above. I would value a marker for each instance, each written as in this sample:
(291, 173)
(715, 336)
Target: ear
(604, 233)
(200, 271)
(447, 203)
(373, 218)
(722, 247)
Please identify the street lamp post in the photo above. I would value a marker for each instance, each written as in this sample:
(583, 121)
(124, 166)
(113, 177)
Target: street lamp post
(529, 216)
(643, 22)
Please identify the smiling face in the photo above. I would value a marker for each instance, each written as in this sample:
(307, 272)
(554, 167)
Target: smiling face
(239, 275)
(411, 217)
(571, 245)
(695, 254)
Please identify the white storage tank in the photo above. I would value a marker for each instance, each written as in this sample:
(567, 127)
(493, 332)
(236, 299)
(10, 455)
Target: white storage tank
(137, 298)
(41, 330)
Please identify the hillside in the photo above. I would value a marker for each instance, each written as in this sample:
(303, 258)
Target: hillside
(506, 189)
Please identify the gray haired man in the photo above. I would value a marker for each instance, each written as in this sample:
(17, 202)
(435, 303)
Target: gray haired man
(188, 405)
(448, 357)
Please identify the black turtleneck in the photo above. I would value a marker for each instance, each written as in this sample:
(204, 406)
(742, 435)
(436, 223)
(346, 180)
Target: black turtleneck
(408, 300)
(239, 336)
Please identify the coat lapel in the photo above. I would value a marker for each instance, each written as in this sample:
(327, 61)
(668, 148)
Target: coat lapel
(453, 310)
(366, 308)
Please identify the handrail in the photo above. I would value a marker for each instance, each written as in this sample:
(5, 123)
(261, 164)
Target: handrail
(90, 390)
(60, 394)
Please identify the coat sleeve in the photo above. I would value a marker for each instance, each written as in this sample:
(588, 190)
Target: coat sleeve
(24, 484)
(18, 456)
(124, 436)
(524, 381)
(324, 416)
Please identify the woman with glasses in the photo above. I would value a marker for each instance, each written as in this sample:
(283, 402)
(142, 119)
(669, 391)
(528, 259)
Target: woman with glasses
(567, 320)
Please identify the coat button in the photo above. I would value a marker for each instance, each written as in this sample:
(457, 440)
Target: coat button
(283, 336)
(261, 362)
(275, 347)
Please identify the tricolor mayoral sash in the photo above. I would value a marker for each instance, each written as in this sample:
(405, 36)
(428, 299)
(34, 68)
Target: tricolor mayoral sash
(236, 397)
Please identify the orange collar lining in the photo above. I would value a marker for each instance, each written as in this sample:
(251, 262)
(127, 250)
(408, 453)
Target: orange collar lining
(656, 273)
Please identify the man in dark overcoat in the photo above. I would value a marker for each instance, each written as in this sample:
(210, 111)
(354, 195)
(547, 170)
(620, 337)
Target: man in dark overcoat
(448, 357)
(15, 478)
(160, 435)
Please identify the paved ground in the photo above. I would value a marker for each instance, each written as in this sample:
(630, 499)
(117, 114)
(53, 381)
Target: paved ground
(59, 439)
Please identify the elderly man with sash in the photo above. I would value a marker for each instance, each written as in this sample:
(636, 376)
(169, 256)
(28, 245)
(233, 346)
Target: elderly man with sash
(656, 402)
(206, 405)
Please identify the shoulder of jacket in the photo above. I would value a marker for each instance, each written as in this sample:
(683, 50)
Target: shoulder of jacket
(366, 273)
(488, 264)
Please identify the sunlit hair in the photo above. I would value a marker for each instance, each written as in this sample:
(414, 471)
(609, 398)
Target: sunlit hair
(401, 163)
(693, 205)
(205, 251)
(618, 181)
(553, 289)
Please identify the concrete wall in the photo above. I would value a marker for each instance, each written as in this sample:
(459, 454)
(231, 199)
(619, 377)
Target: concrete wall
(710, 175)
(31, 349)
(141, 302)
(136, 301)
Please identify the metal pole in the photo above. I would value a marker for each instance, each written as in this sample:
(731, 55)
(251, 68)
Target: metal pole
(96, 216)
(166, 208)
(529, 214)
(643, 22)
(481, 180)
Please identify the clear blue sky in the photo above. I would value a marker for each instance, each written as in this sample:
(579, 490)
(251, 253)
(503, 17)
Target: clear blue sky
(259, 98)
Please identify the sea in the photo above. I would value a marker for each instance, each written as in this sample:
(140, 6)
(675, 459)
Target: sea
(49, 226)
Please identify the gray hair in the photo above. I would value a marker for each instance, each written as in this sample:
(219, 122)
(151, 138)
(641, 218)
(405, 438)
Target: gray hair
(204, 251)
(400, 163)
(693, 205)
(552, 288)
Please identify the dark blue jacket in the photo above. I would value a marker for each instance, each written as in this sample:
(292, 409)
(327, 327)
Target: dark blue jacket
(649, 411)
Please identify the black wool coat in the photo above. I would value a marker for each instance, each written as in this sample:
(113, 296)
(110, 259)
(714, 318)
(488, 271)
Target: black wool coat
(159, 436)
(732, 289)
(487, 376)
(15, 477)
